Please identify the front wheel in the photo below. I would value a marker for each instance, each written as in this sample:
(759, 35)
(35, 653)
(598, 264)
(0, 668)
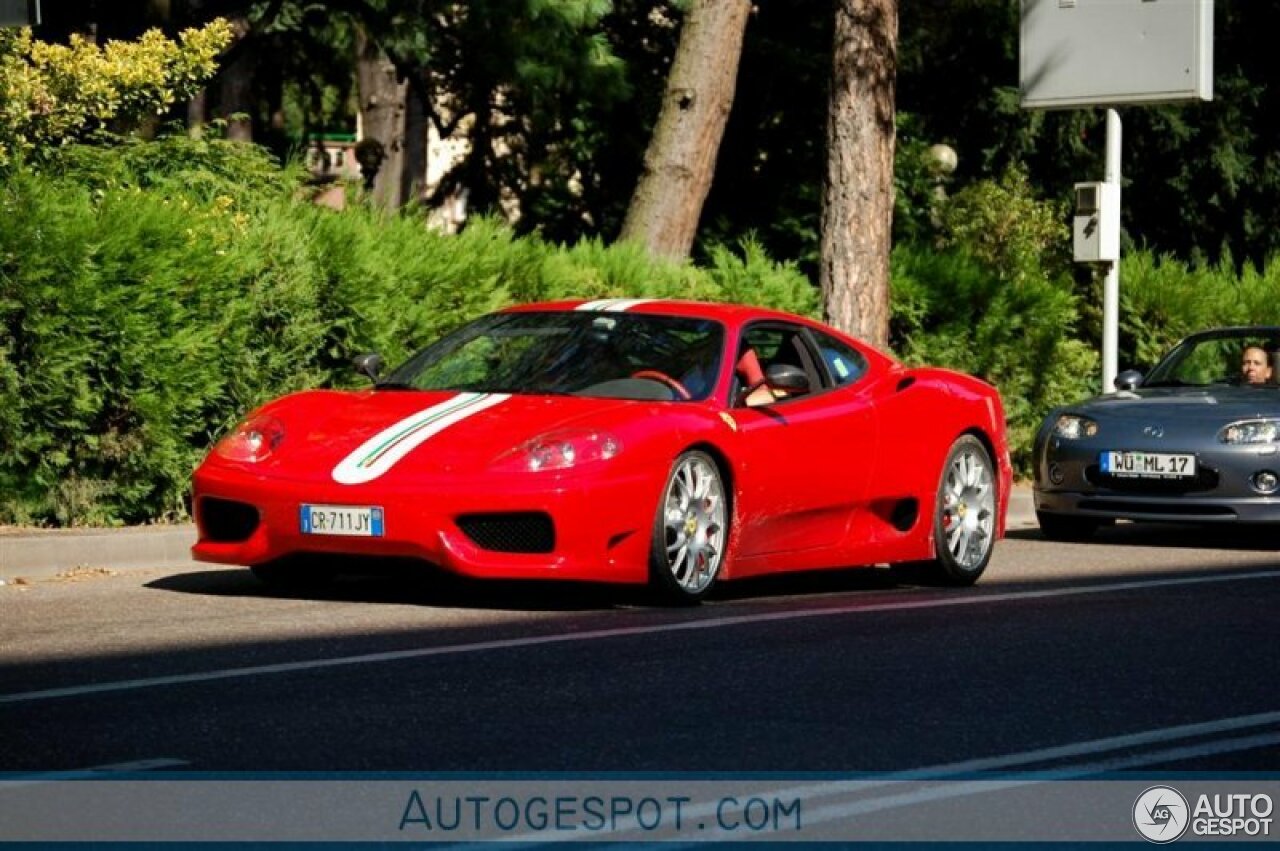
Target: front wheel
(690, 531)
(964, 517)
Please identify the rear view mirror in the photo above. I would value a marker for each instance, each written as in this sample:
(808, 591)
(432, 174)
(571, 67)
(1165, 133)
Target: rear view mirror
(369, 365)
(792, 379)
(1130, 379)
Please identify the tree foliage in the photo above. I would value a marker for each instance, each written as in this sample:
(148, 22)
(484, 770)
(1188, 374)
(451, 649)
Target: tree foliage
(51, 94)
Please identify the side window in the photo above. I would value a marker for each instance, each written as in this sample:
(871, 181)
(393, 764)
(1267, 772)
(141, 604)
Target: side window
(845, 363)
(773, 345)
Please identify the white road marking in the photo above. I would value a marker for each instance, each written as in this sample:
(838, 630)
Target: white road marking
(956, 780)
(93, 772)
(621, 632)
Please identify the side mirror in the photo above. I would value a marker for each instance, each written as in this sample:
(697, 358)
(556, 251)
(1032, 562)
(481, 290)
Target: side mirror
(1130, 379)
(369, 365)
(792, 379)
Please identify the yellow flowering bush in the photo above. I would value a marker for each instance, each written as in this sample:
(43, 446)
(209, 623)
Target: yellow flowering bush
(51, 94)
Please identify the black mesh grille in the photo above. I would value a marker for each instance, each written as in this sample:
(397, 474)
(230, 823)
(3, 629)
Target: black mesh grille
(226, 520)
(1206, 479)
(510, 532)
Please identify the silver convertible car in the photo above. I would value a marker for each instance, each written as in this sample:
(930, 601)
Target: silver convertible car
(1196, 440)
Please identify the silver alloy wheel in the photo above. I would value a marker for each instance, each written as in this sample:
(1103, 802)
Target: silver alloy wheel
(967, 512)
(693, 519)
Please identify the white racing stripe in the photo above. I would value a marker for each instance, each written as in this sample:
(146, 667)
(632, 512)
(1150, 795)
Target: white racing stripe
(613, 305)
(624, 632)
(381, 452)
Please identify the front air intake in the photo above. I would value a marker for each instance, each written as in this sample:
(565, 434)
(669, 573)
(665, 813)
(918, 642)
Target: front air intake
(225, 520)
(511, 531)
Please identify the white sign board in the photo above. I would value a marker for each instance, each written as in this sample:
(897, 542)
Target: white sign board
(19, 13)
(1081, 53)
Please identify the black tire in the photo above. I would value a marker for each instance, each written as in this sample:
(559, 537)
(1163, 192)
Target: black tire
(690, 530)
(1064, 527)
(964, 536)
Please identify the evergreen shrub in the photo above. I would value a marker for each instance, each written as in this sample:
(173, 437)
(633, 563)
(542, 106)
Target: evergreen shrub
(993, 297)
(151, 296)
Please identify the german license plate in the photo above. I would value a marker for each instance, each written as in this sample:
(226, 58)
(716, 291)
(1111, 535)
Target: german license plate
(1148, 465)
(356, 521)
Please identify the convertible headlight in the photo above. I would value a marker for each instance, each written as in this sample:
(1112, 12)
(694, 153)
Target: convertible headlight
(251, 441)
(1251, 431)
(1074, 427)
(562, 450)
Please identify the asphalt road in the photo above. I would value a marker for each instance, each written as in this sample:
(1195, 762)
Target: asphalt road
(1152, 649)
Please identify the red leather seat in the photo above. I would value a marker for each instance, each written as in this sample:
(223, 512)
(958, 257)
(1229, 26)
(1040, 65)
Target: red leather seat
(749, 370)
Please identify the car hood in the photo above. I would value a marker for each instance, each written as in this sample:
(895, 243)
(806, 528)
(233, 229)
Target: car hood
(359, 437)
(1217, 404)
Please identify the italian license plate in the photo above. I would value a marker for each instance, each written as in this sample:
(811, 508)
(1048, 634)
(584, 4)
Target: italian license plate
(354, 521)
(1148, 465)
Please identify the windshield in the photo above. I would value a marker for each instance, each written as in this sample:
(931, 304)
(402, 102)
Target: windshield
(1237, 356)
(583, 353)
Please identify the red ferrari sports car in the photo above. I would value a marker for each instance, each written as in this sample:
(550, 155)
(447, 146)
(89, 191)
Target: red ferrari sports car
(619, 440)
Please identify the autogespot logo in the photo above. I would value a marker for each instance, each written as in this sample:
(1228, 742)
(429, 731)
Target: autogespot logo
(1160, 814)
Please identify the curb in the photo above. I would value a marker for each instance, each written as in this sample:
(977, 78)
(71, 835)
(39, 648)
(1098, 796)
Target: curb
(43, 554)
(46, 553)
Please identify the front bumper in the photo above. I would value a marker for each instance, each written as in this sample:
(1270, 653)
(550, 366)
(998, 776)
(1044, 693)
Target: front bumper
(1068, 481)
(602, 523)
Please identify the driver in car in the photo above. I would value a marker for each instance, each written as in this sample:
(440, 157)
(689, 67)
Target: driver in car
(1255, 366)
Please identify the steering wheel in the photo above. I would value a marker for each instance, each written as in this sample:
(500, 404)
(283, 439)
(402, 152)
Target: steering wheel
(662, 378)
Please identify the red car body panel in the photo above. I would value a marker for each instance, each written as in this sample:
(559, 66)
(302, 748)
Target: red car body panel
(814, 481)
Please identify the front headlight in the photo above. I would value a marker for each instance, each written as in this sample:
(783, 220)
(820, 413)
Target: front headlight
(562, 450)
(251, 441)
(1251, 431)
(1074, 427)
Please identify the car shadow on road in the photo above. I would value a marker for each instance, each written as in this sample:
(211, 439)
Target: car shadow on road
(425, 586)
(1218, 537)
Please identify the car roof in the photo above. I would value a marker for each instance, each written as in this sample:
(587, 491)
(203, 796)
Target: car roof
(730, 313)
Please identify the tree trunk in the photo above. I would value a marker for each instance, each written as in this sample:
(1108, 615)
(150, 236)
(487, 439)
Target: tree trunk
(413, 181)
(382, 117)
(196, 111)
(857, 198)
(236, 103)
(681, 158)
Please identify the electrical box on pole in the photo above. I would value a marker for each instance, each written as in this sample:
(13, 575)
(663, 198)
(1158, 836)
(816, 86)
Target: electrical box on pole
(1106, 53)
(1096, 229)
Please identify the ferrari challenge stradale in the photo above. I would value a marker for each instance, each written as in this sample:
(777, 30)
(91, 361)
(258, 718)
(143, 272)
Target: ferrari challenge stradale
(619, 440)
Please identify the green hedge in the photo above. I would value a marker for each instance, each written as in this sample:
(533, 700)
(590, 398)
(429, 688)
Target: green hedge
(143, 309)
(151, 294)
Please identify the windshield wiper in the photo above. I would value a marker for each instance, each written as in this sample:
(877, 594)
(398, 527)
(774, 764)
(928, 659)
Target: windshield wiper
(393, 385)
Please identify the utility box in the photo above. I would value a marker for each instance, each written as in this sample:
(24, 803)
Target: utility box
(1096, 229)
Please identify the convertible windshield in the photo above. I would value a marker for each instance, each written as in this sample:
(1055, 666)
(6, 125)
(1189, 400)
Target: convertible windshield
(1218, 358)
(583, 353)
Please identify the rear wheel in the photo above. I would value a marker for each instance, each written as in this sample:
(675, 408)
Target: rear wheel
(1062, 527)
(690, 530)
(964, 517)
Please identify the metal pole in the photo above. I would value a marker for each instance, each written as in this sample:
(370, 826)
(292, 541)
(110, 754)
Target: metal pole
(1111, 286)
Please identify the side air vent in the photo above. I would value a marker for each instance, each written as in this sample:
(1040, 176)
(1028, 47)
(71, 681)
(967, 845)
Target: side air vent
(510, 532)
(904, 514)
(906, 382)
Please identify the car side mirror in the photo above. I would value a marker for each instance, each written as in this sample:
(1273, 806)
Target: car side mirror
(369, 365)
(1130, 379)
(784, 376)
